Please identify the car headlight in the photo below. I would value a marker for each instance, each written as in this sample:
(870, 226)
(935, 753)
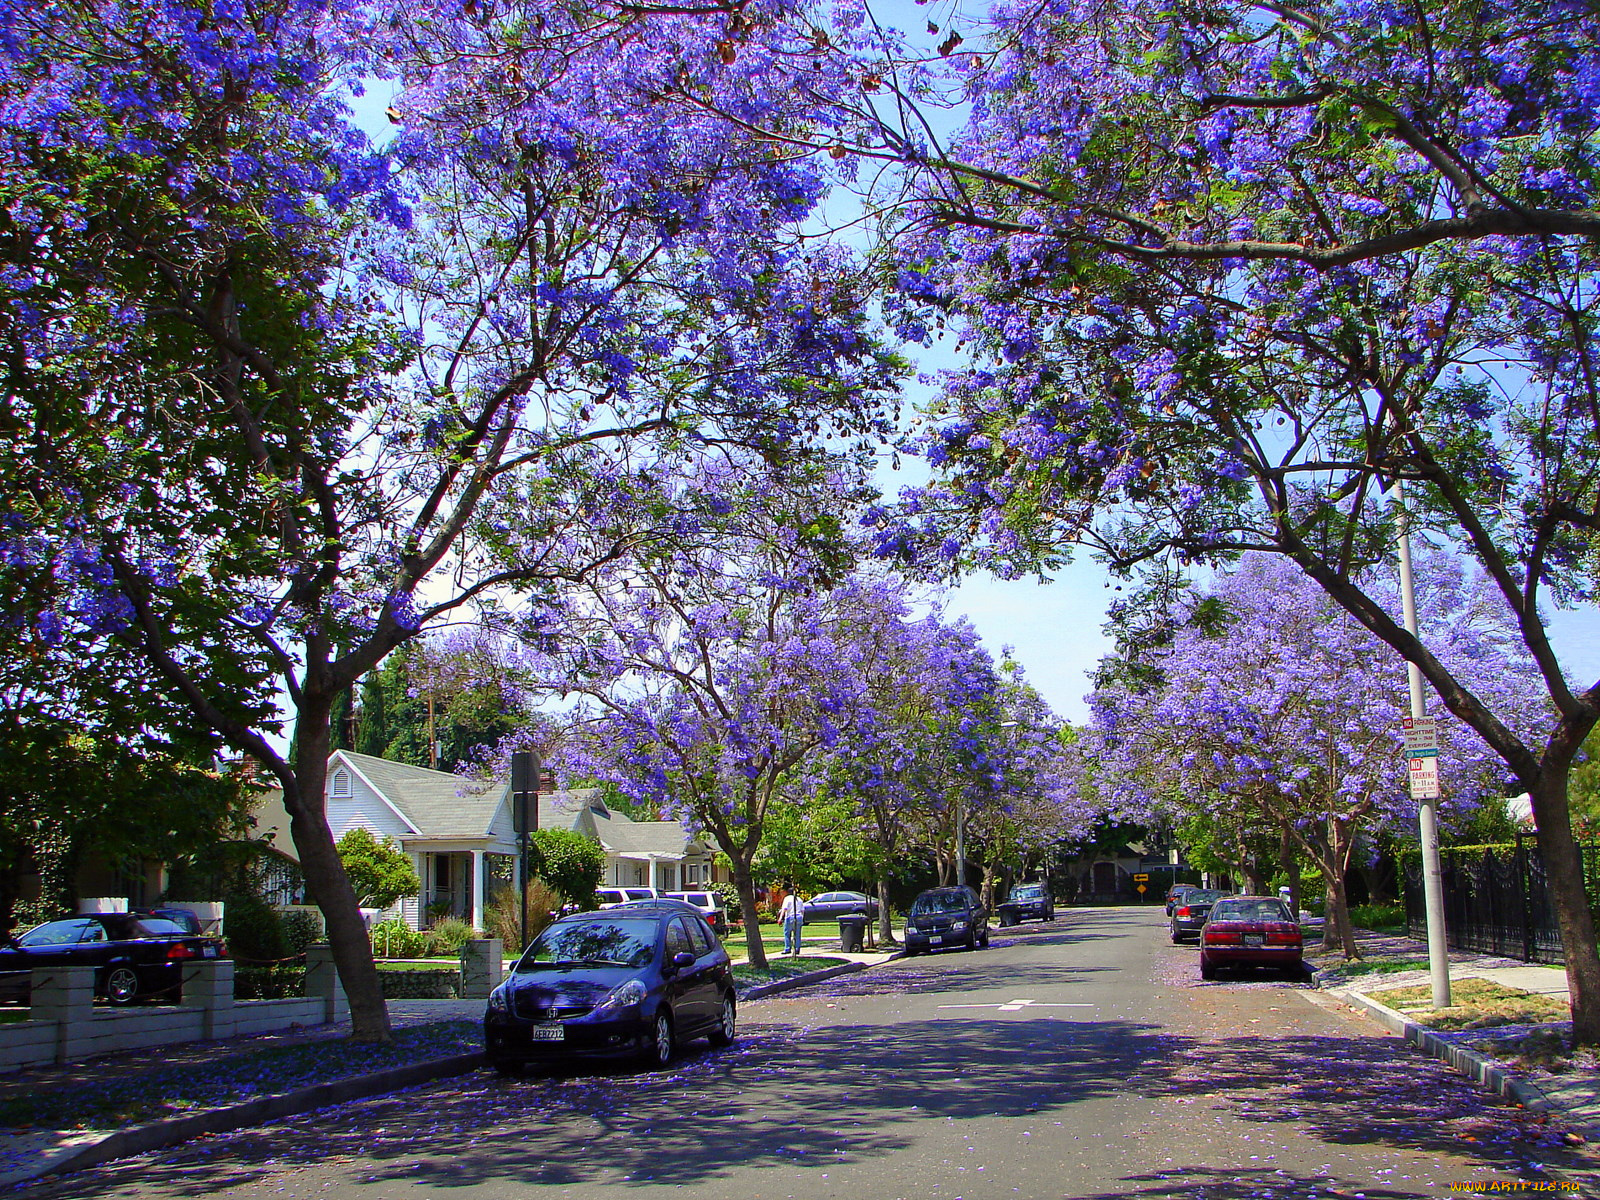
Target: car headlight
(632, 992)
(497, 1000)
(959, 926)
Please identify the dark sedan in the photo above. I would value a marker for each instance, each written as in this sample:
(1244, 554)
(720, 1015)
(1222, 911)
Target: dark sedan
(1189, 917)
(831, 905)
(943, 917)
(135, 957)
(1250, 931)
(632, 982)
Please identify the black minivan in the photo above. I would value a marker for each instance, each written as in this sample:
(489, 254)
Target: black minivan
(629, 982)
(949, 916)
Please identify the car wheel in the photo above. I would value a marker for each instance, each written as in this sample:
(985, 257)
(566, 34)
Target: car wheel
(728, 1026)
(985, 942)
(1207, 971)
(658, 1054)
(1177, 938)
(122, 985)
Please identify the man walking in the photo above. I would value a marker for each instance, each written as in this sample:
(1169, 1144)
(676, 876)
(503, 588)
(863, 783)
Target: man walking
(792, 912)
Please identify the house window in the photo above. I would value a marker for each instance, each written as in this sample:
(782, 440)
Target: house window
(691, 874)
(341, 783)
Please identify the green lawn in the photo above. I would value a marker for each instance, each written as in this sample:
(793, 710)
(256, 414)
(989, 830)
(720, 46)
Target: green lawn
(782, 968)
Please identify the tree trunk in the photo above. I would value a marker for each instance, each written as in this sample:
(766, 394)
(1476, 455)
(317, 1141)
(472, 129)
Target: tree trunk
(987, 891)
(304, 799)
(1337, 932)
(1289, 860)
(885, 918)
(1563, 864)
(744, 881)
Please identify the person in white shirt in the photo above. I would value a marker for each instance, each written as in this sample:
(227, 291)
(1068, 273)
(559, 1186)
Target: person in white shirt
(792, 912)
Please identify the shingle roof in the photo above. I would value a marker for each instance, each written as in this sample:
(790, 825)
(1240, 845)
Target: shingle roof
(646, 837)
(436, 804)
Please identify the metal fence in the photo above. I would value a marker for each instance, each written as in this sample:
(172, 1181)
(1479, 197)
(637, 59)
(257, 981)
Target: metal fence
(1496, 900)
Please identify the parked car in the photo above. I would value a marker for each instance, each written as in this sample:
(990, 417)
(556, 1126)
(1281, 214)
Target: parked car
(134, 957)
(1250, 931)
(1028, 901)
(831, 905)
(632, 982)
(1194, 906)
(950, 916)
(184, 918)
(1176, 892)
(710, 907)
(611, 897)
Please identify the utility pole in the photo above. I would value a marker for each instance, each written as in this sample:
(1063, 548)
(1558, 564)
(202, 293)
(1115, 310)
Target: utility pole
(525, 819)
(1427, 811)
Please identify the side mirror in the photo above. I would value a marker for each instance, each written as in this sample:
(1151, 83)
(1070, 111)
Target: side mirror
(682, 959)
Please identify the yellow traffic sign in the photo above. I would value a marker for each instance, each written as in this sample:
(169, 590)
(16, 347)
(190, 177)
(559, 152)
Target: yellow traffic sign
(1139, 887)
(1141, 878)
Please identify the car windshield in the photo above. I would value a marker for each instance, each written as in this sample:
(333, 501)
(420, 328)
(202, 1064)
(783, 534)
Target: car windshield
(54, 933)
(620, 943)
(1027, 893)
(1249, 910)
(937, 902)
(1199, 896)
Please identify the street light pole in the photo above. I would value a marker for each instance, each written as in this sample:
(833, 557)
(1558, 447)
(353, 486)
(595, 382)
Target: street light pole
(1427, 814)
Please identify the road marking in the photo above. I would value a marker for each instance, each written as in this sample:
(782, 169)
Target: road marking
(1017, 1005)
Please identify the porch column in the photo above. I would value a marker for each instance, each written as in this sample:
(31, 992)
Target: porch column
(477, 889)
(655, 874)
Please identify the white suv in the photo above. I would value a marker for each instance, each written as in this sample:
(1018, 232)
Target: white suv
(710, 906)
(611, 897)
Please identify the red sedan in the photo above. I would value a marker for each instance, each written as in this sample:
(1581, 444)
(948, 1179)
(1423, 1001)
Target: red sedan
(1250, 931)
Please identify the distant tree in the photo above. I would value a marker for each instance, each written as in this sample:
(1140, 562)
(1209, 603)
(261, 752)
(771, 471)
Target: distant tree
(379, 871)
(570, 863)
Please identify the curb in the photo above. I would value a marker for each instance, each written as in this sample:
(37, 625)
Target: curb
(1470, 1063)
(794, 981)
(159, 1134)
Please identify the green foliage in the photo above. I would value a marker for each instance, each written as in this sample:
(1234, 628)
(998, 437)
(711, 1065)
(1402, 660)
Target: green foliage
(396, 939)
(1377, 916)
(301, 930)
(817, 846)
(569, 863)
(254, 930)
(275, 981)
(472, 706)
(503, 916)
(372, 730)
(1489, 823)
(448, 936)
(380, 872)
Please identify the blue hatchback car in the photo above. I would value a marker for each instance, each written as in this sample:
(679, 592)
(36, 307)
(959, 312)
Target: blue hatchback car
(632, 983)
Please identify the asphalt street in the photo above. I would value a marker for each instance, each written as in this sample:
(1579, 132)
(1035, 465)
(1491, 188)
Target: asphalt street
(1082, 1058)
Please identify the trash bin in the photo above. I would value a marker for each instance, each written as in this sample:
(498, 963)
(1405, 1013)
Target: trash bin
(852, 930)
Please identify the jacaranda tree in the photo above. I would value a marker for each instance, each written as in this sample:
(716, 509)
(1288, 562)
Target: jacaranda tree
(274, 401)
(1284, 710)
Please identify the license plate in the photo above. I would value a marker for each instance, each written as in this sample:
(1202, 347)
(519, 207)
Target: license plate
(208, 952)
(936, 940)
(1252, 939)
(548, 1033)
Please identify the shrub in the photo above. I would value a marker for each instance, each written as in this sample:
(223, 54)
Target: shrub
(448, 936)
(1377, 916)
(396, 939)
(255, 930)
(278, 981)
(503, 915)
(301, 930)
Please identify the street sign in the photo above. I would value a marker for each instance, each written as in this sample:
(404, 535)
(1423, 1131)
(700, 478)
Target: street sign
(1425, 777)
(1139, 887)
(1422, 736)
(1141, 879)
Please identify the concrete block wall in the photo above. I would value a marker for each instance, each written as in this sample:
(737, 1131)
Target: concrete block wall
(65, 1026)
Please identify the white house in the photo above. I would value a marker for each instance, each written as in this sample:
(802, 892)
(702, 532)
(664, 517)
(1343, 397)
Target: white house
(459, 835)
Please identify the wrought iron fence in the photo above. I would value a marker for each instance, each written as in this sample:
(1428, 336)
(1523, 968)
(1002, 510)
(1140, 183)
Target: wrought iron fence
(1496, 900)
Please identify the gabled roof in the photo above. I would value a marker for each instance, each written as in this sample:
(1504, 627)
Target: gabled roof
(436, 804)
(646, 837)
